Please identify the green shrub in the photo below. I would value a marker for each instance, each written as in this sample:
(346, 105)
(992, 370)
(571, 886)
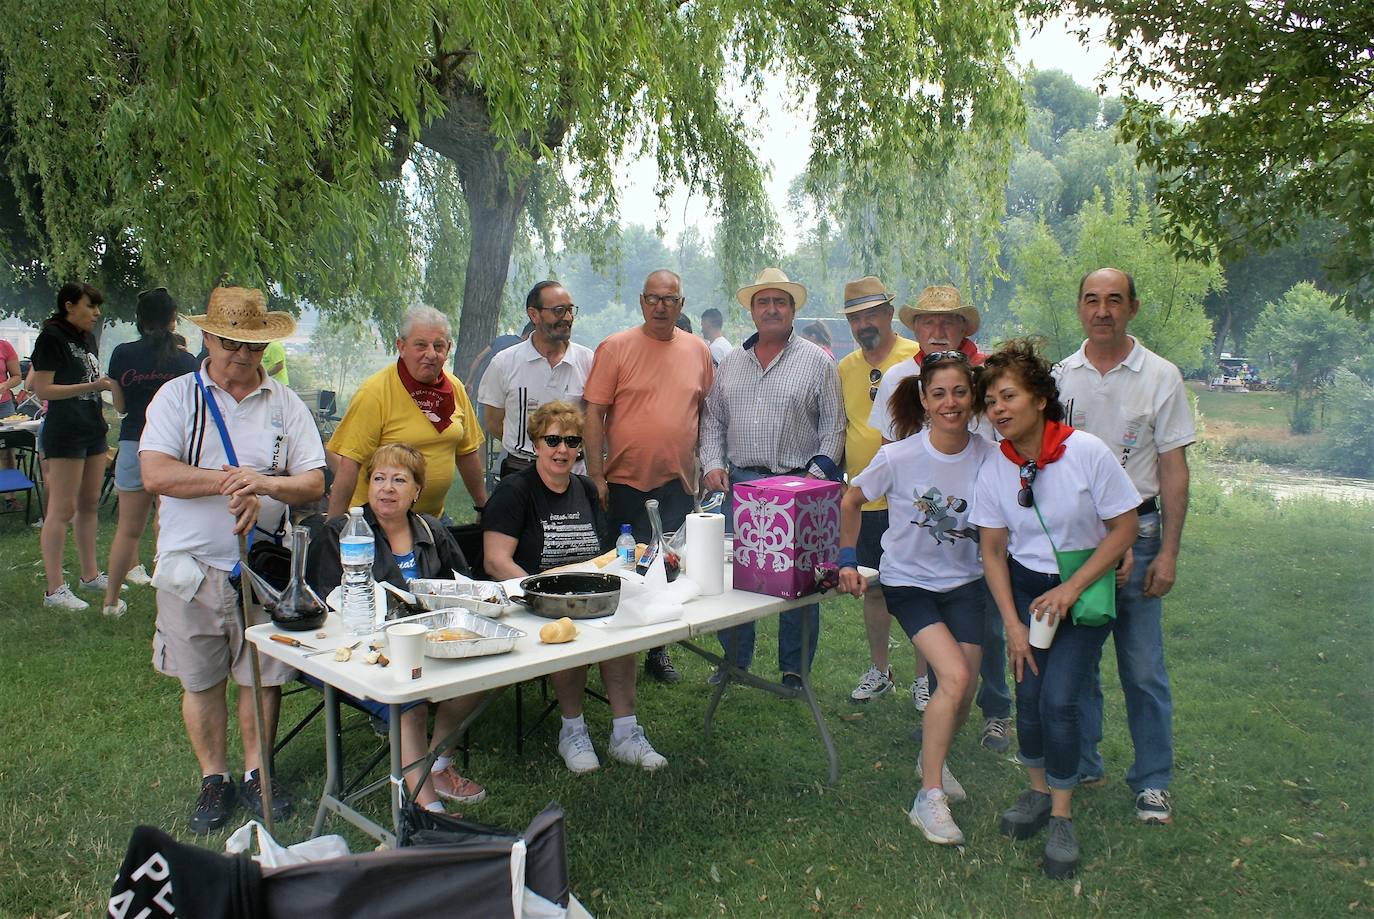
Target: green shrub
(1347, 446)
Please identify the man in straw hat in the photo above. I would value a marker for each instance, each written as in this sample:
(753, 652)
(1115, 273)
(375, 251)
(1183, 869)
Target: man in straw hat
(941, 322)
(217, 485)
(868, 309)
(774, 409)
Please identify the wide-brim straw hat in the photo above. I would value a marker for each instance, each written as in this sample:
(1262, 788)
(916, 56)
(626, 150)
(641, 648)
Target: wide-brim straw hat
(940, 299)
(240, 314)
(771, 279)
(863, 294)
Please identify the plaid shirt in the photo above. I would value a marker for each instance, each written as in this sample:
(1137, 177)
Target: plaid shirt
(777, 417)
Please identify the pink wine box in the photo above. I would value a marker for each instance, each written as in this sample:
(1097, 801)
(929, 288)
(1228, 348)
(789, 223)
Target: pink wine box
(785, 526)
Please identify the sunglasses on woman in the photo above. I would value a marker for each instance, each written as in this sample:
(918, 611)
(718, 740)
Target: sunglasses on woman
(571, 441)
(937, 356)
(1026, 497)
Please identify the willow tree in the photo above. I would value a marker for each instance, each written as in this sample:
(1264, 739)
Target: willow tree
(268, 140)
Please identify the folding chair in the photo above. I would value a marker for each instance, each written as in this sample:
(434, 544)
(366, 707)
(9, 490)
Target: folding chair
(23, 477)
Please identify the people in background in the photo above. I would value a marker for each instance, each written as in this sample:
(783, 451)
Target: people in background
(138, 369)
(547, 366)
(819, 335)
(712, 330)
(546, 516)
(66, 372)
(274, 362)
(644, 396)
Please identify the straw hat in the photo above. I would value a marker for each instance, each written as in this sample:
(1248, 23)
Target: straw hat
(771, 279)
(940, 298)
(240, 314)
(863, 294)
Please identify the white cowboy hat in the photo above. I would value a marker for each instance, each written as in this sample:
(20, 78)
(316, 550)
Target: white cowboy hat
(771, 279)
(240, 314)
(865, 293)
(940, 299)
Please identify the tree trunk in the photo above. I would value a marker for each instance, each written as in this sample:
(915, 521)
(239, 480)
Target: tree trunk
(495, 194)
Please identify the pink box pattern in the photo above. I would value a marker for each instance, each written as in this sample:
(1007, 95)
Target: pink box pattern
(784, 527)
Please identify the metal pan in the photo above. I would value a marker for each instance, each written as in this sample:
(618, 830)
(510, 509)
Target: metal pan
(485, 598)
(576, 595)
(492, 637)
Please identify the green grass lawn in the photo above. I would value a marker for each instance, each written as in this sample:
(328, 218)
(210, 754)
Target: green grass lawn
(1270, 640)
(1253, 410)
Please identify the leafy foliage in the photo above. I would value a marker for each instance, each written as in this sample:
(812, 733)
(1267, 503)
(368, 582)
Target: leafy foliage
(1306, 341)
(1266, 120)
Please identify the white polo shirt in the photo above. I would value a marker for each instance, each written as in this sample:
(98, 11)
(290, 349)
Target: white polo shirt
(880, 418)
(519, 380)
(1075, 494)
(272, 432)
(1138, 408)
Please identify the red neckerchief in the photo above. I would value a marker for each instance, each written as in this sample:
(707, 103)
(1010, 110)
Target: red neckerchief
(435, 402)
(975, 357)
(1051, 447)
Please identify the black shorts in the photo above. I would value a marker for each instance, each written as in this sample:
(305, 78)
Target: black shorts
(73, 447)
(872, 526)
(962, 610)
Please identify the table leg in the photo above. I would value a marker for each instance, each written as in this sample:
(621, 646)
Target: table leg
(333, 758)
(397, 777)
(810, 698)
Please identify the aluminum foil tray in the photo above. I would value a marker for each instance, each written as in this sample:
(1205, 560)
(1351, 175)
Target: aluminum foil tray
(493, 637)
(486, 598)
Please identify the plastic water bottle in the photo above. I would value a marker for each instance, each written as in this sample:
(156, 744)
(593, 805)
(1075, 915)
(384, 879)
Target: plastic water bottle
(625, 546)
(356, 549)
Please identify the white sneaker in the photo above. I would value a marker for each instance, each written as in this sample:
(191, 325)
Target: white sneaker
(577, 751)
(873, 684)
(920, 693)
(138, 577)
(63, 598)
(953, 790)
(115, 610)
(636, 750)
(930, 813)
(97, 583)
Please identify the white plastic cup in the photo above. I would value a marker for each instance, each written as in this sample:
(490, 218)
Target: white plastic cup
(407, 642)
(1041, 632)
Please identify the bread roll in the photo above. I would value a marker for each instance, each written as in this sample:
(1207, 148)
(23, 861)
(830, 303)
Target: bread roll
(558, 631)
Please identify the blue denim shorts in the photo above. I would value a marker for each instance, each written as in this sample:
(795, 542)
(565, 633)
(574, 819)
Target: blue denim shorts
(128, 476)
(962, 610)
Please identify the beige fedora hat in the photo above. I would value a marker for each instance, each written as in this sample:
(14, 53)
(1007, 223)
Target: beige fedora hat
(865, 293)
(774, 279)
(940, 298)
(240, 314)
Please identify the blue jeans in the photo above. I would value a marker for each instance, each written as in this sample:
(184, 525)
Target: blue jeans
(737, 643)
(993, 698)
(1047, 705)
(1139, 641)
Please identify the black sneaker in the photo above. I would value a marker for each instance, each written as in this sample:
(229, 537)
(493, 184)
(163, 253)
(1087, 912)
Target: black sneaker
(1061, 849)
(995, 731)
(251, 796)
(1027, 816)
(659, 665)
(792, 681)
(1152, 806)
(214, 805)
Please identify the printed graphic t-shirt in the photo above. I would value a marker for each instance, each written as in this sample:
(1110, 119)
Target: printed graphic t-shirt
(71, 357)
(140, 374)
(550, 529)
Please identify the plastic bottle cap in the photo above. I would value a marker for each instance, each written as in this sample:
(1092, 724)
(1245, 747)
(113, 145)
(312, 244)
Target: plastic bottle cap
(355, 511)
(625, 528)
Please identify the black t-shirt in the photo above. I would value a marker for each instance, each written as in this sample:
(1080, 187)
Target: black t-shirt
(135, 366)
(550, 529)
(71, 356)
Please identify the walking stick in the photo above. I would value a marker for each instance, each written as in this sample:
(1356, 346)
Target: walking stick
(264, 745)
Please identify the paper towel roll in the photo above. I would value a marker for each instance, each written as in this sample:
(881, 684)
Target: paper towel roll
(705, 559)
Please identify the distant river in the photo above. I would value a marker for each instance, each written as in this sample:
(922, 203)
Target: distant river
(1288, 482)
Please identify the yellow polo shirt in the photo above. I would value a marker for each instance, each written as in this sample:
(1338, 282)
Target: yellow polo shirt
(382, 412)
(861, 442)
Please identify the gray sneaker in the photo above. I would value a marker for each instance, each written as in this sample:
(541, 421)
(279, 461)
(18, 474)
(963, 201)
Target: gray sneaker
(996, 734)
(1027, 816)
(1061, 849)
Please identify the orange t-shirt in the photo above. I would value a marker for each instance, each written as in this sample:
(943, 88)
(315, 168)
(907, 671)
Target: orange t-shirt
(654, 390)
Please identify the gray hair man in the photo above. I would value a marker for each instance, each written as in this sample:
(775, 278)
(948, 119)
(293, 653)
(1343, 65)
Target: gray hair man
(1133, 399)
(415, 401)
